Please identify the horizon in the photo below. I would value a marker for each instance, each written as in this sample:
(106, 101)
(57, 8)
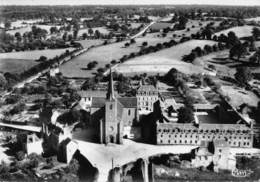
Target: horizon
(129, 2)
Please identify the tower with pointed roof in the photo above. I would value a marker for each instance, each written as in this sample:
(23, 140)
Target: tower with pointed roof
(111, 127)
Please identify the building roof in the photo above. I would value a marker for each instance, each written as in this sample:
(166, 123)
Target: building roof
(98, 102)
(203, 151)
(147, 88)
(92, 93)
(128, 102)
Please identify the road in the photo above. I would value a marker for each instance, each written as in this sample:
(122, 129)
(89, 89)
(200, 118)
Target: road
(142, 31)
(100, 155)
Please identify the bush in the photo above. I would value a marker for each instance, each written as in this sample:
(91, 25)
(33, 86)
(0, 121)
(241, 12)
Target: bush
(73, 166)
(100, 70)
(20, 155)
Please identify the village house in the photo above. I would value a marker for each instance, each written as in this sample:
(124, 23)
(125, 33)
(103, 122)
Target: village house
(214, 155)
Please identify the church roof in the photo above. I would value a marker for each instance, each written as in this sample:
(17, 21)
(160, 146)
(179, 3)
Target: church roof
(128, 102)
(119, 111)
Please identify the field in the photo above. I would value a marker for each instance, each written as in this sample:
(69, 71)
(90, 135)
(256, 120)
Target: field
(102, 30)
(135, 25)
(105, 54)
(32, 55)
(29, 28)
(164, 60)
(16, 65)
(243, 31)
(253, 19)
(21, 23)
(159, 26)
(17, 62)
(88, 43)
(227, 67)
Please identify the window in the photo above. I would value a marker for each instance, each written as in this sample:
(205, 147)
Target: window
(129, 112)
(111, 106)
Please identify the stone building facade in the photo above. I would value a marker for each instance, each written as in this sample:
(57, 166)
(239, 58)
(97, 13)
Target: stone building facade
(146, 95)
(215, 155)
(237, 135)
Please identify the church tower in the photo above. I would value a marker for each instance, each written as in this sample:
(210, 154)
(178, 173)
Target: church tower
(111, 127)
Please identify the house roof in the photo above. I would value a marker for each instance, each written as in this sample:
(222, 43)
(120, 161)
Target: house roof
(203, 151)
(92, 93)
(98, 102)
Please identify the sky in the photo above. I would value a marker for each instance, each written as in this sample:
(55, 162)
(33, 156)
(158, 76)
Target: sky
(135, 2)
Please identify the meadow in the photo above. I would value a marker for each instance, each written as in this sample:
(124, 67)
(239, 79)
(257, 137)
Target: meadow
(162, 61)
(105, 54)
(242, 31)
(17, 62)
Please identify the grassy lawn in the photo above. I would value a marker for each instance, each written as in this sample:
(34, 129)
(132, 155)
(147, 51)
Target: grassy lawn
(242, 31)
(164, 60)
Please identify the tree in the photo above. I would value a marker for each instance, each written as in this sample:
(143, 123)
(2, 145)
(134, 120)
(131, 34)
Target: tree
(91, 65)
(75, 33)
(256, 32)
(70, 37)
(84, 35)
(144, 44)
(20, 155)
(18, 36)
(90, 31)
(232, 39)
(53, 30)
(207, 32)
(7, 25)
(42, 59)
(132, 41)
(3, 81)
(127, 44)
(97, 34)
(64, 36)
(237, 50)
(198, 51)
(185, 115)
(243, 75)
(73, 166)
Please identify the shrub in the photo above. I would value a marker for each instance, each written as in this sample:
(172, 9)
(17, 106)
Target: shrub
(20, 155)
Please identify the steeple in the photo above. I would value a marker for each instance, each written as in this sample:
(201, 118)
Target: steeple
(110, 91)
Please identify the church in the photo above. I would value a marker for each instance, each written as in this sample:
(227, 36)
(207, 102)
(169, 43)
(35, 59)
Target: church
(112, 117)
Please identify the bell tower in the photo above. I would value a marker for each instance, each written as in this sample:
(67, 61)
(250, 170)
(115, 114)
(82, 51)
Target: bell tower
(111, 123)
